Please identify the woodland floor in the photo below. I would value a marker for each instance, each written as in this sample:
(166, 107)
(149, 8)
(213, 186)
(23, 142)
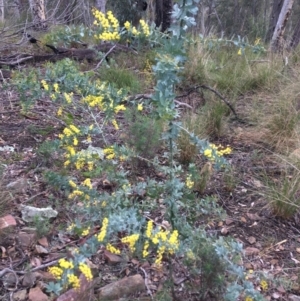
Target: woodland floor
(250, 220)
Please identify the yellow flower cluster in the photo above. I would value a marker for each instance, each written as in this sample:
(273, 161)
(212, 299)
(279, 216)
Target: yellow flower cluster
(119, 108)
(248, 298)
(145, 28)
(70, 132)
(71, 227)
(56, 87)
(56, 272)
(109, 153)
(132, 29)
(145, 249)
(159, 256)
(87, 183)
(149, 229)
(218, 150)
(188, 182)
(100, 237)
(86, 271)
(59, 111)
(168, 241)
(264, 285)
(76, 191)
(140, 107)
(73, 281)
(127, 25)
(65, 264)
(109, 25)
(93, 101)
(131, 240)
(115, 124)
(112, 249)
(86, 231)
(68, 97)
(45, 85)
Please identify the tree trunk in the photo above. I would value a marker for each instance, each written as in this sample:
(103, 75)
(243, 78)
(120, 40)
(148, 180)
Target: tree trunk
(277, 38)
(38, 13)
(276, 9)
(163, 14)
(100, 5)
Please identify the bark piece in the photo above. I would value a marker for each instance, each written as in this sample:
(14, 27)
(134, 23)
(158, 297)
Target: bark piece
(122, 288)
(112, 258)
(7, 221)
(35, 294)
(29, 279)
(251, 251)
(20, 295)
(26, 240)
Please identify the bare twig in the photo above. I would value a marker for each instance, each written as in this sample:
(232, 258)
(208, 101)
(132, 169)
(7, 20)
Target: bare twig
(106, 54)
(148, 96)
(6, 271)
(146, 282)
(39, 267)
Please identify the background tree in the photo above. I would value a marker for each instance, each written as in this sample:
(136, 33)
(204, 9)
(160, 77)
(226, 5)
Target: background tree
(277, 38)
(163, 11)
(38, 13)
(100, 5)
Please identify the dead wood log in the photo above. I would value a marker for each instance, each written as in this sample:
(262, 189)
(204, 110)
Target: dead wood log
(90, 55)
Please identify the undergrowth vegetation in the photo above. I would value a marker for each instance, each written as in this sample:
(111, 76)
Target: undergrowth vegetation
(120, 159)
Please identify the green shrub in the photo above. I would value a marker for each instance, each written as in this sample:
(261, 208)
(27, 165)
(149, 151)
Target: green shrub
(121, 78)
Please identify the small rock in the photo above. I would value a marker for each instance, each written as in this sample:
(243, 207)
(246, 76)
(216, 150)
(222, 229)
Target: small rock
(9, 281)
(229, 221)
(29, 213)
(294, 298)
(122, 288)
(26, 240)
(20, 295)
(35, 294)
(224, 230)
(29, 280)
(112, 258)
(243, 220)
(18, 185)
(251, 240)
(93, 267)
(254, 217)
(41, 250)
(44, 242)
(251, 251)
(7, 221)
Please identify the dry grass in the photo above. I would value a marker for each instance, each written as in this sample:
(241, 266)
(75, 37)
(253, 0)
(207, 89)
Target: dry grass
(5, 199)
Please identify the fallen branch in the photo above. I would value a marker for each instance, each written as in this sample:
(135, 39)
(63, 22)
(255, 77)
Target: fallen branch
(18, 61)
(149, 96)
(222, 97)
(147, 282)
(214, 91)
